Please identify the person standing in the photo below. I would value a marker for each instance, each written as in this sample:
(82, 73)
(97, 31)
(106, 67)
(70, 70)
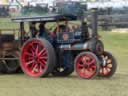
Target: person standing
(42, 29)
(33, 29)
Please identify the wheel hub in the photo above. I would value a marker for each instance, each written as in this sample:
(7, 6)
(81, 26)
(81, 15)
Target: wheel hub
(104, 62)
(35, 58)
(86, 66)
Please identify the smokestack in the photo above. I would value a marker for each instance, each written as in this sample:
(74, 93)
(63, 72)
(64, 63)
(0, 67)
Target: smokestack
(94, 21)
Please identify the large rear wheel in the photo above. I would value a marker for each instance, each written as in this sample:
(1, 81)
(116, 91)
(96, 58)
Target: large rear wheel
(37, 58)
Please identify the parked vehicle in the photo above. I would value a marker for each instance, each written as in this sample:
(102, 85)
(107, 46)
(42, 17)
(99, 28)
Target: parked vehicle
(9, 51)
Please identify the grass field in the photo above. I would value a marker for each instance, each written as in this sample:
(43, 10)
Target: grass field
(22, 85)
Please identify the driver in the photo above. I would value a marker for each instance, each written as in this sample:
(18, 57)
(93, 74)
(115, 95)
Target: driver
(33, 29)
(43, 32)
(42, 29)
(62, 28)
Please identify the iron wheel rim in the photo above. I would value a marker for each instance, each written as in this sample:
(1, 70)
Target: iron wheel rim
(86, 66)
(34, 58)
(106, 69)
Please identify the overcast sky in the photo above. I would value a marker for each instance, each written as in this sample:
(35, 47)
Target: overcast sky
(114, 3)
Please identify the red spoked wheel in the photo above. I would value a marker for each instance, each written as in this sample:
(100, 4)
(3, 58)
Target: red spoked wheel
(37, 58)
(108, 66)
(87, 65)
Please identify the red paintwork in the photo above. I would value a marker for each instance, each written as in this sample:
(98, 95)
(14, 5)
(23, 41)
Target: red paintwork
(86, 60)
(34, 58)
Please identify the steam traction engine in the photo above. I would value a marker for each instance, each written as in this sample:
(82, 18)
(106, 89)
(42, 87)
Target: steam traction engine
(65, 50)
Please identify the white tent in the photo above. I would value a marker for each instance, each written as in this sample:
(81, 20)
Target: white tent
(4, 2)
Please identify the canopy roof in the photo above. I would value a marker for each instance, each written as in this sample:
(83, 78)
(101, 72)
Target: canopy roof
(49, 18)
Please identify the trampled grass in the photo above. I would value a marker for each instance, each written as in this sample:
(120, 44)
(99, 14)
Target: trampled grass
(116, 43)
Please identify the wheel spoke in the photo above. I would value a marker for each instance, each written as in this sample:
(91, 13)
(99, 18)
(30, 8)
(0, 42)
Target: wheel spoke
(30, 58)
(44, 57)
(91, 62)
(82, 71)
(33, 48)
(107, 70)
(33, 65)
(42, 62)
(32, 51)
(30, 62)
(40, 68)
(85, 59)
(91, 71)
(41, 52)
(35, 68)
(37, 49)
(94, 67)
(105, 57)
(109, 67)
(44, 53)
(88, 72)
(85, 71)
(102, 71)
(80, 65)
(109, 61)
(29, 54)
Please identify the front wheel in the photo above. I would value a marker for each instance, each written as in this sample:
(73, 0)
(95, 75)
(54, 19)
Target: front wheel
(108, 65)
(87, 65)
